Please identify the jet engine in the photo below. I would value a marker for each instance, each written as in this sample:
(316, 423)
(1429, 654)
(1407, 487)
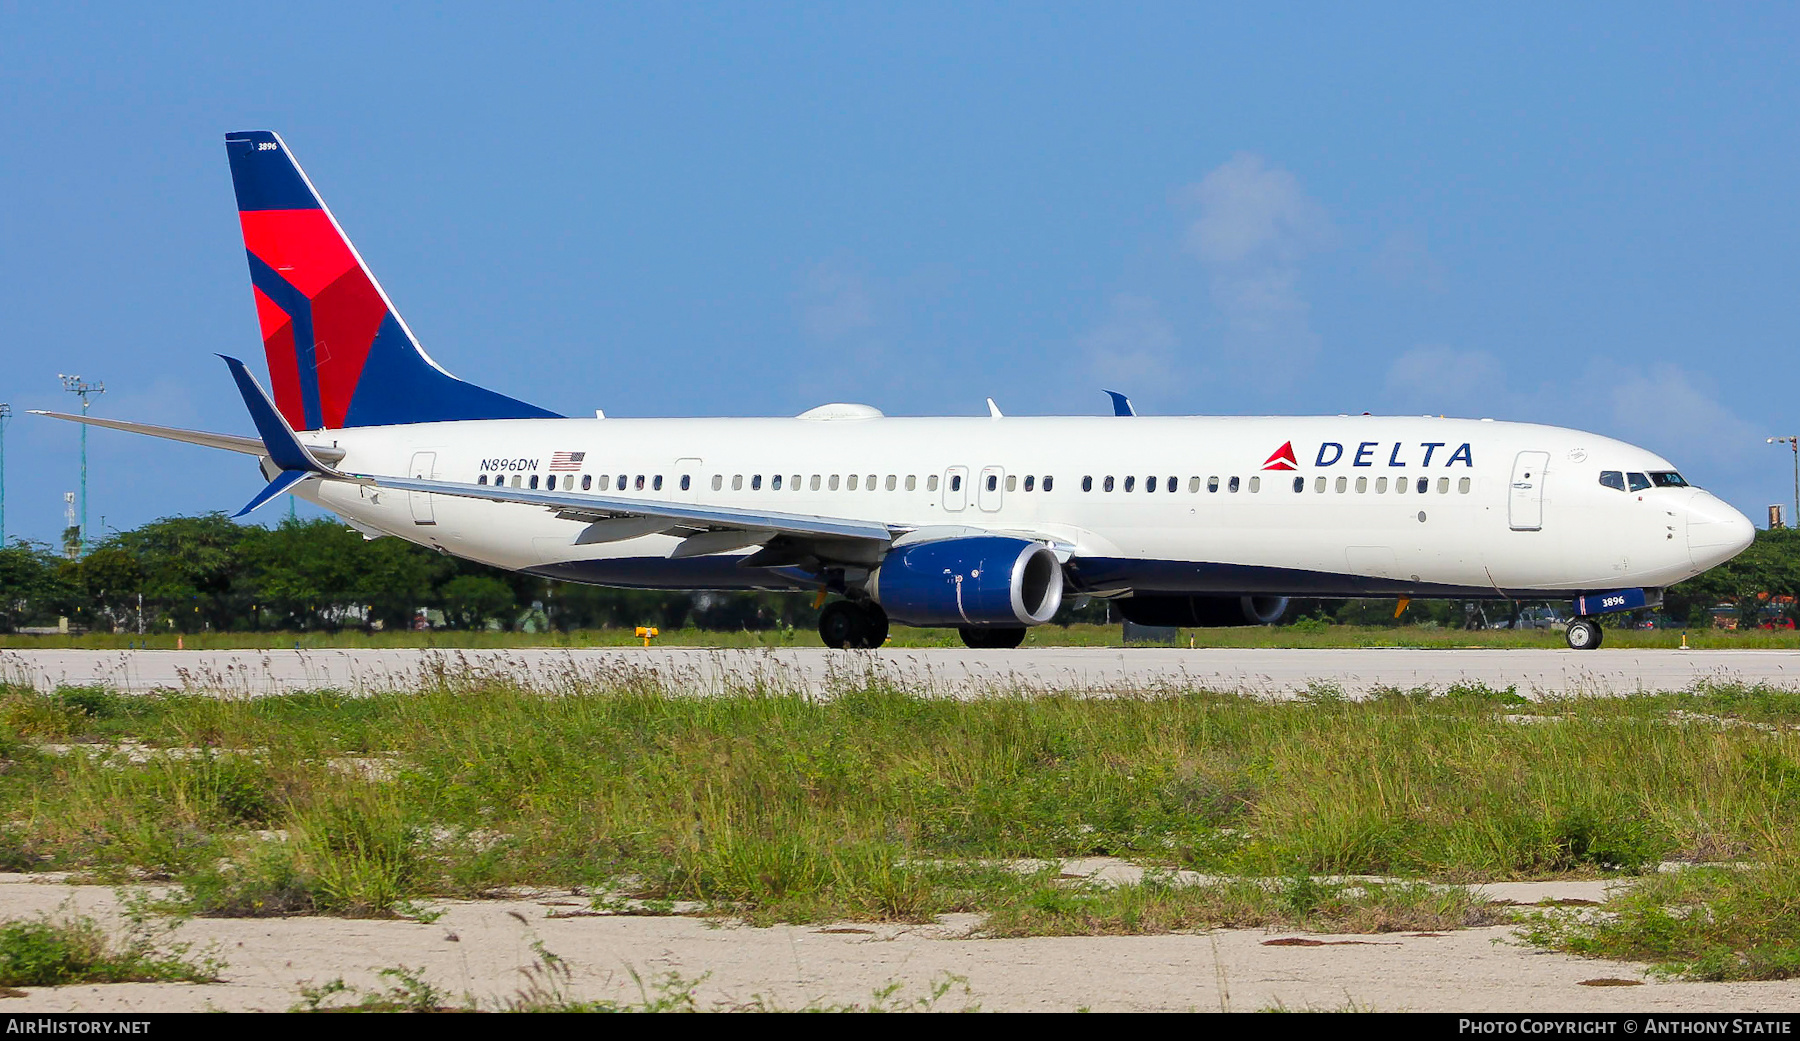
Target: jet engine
(985, 580)
(1204, 611)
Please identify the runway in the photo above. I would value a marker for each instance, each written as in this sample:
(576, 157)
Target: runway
(939, 671)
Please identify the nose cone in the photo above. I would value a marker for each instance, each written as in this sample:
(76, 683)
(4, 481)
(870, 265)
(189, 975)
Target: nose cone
(1716, 532)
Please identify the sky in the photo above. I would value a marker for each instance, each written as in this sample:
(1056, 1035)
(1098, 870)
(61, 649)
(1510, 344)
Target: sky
(1577, 214)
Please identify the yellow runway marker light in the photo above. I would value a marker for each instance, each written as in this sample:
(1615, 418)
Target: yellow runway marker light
(648, 633)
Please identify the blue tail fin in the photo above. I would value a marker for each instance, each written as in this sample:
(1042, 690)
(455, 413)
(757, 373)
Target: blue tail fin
(339, 354)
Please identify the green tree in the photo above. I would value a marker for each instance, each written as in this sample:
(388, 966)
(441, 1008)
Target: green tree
(472, 601)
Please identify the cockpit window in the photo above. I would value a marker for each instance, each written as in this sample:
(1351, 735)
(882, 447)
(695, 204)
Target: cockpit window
(1638, 481)
(1667, 479)
(1614, 479)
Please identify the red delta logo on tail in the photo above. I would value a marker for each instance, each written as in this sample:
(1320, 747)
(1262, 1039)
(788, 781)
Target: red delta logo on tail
(339, 354)
(1282, 459)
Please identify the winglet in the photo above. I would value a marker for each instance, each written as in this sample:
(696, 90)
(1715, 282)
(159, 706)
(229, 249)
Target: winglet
(285, 450)
(1121, 404)
(283, 481)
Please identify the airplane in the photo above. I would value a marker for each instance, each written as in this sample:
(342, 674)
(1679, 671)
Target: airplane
(982, 524)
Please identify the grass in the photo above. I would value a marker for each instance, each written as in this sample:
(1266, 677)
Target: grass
(1708, 923)
(875, 804)
(57, 950)
(1160, 905)
(1081, 635)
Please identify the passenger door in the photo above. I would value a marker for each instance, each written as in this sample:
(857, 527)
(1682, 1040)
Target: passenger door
(423, 468)
(1525, 500)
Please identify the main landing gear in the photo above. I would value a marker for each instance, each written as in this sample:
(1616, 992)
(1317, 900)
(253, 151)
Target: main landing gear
(992, 638)
(847, 623)
(1584, 634)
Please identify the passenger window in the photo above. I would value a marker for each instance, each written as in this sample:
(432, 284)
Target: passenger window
(1638, 481)
(621, 482)
(794, 482)
(1212, 484)
(1380, 485)
(639, 483)
(1256, 484)
(1400, 485)
(1106, 485)
(912, 482)
(851, 483)
(814, 483)
(515, 480)
(1443, 486)
(1614, 479)
(1234, 484)
(871, 483)
(1012, 482)
(931, 483)
(718, 481)
(1130, 482)
(1318, 484)
(1149, 484)
(1170, 488)
(1299, 484)
(1029, 481)
(993, 482)
(956, 483)
(737, 482)
(833, 483)
(568, 482)
(656, 484)
(687, 482)
(775, 483)
(587, 482)
(1462, 486)
(534, 481)
(894, 482)
(1087, 484)
(756, 482)
(1362, 485)
(1049, 482)
(1424, 485)
(1193, 485)
(1343, 485)
(482, 479)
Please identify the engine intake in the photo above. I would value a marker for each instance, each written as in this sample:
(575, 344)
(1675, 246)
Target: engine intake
(979, 580)
(1202, 611)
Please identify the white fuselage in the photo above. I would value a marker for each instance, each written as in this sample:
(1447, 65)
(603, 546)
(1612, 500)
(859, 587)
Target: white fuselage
(1492, 517)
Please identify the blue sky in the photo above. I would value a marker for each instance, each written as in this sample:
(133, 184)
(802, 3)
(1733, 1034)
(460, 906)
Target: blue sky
(1577, 214)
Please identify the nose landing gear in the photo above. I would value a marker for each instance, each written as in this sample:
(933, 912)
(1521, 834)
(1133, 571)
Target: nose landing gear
(848, 624)
(1584, 634)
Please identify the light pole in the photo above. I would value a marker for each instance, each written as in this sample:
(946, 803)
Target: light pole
(1792, 442)
(79, 387)
(5, 414)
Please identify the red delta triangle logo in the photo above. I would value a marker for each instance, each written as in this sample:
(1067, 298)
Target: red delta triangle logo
(1282, 459)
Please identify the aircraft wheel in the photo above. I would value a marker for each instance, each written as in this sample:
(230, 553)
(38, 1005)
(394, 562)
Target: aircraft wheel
(1584, 634)
(874, 627)
(991, 638)
(841, 625)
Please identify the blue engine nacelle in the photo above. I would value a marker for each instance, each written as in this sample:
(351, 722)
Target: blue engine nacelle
(974, 581)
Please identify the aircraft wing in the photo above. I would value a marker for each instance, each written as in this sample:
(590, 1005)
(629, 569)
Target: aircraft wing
(583, 506)
(229, 442)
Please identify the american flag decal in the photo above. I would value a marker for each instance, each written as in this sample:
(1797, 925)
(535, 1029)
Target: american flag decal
(567, 460)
